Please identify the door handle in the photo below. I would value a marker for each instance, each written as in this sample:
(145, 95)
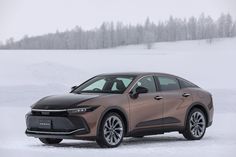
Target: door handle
(158, 97)
(186, 95)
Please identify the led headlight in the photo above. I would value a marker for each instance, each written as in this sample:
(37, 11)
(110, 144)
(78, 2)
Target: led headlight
(81, 109)
(77, 110)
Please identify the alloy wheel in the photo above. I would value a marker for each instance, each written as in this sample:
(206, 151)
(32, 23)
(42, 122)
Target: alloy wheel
(197, 124)
(113, 130)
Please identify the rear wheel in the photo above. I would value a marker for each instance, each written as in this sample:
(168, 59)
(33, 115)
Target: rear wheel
(111, 131)
(195, 125)
(50, 140)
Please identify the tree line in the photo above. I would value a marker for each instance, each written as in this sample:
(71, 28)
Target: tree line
(110, 35)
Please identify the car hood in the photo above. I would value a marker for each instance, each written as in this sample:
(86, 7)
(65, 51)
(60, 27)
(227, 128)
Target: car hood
(66, 101)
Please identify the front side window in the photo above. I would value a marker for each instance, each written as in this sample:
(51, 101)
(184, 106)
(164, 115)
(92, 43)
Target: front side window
(146, 82)
(168, 83)
(106, 84)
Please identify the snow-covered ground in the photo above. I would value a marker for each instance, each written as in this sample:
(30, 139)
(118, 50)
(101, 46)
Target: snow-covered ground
(26, 76)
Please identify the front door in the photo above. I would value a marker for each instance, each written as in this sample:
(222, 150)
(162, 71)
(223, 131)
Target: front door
(147, 108)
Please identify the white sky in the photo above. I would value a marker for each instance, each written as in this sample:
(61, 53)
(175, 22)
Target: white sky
(36, 17)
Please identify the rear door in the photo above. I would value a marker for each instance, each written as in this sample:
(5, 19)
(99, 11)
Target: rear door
(175, 100)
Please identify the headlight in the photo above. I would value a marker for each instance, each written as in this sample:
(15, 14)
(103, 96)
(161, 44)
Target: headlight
(82, 109)
(77, 110)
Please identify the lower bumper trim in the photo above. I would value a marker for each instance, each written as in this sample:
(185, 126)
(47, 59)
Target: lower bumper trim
(55, 133)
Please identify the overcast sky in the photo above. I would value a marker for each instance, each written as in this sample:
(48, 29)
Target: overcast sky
(36, 17)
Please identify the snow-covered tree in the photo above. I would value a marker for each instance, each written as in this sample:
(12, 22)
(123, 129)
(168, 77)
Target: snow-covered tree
(228, 25)
(111, 34)
(192, 28)
(149, 38)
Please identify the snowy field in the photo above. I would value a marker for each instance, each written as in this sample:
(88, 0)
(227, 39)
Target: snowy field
(26, 76)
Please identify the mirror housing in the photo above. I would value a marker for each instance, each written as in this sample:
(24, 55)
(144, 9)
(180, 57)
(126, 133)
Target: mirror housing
(73, 88)
(139, 90)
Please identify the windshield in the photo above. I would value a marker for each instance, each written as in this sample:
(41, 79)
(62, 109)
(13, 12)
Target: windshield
(106, 84)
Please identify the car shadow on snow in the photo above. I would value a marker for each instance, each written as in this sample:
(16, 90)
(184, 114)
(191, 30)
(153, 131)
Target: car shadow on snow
(151, 140)
(126, 142)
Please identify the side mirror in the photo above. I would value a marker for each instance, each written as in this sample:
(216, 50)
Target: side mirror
(73, 88)
(139, 90)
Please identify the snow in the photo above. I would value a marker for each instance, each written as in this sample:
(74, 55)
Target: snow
(26, 76)
(219, 140)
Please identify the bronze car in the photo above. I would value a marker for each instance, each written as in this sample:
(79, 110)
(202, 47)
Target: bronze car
(108, 107)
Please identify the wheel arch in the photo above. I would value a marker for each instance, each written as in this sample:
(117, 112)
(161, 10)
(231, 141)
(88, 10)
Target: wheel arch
(200, 106)
(117, 110)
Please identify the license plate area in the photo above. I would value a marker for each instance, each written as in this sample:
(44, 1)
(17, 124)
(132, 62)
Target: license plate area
(45, 124)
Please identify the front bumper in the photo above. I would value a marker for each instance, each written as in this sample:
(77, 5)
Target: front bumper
(55, 125)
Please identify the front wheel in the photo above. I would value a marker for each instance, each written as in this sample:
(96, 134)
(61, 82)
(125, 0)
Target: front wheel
(50, 140)
(195, 125)
(111, 131)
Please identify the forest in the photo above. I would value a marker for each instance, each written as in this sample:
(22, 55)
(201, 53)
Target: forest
(111, 34)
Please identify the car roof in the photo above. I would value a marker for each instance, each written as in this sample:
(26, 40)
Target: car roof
(138, 73)
(141, 74)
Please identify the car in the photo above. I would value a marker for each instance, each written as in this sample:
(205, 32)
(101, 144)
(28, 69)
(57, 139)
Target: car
(109, 107)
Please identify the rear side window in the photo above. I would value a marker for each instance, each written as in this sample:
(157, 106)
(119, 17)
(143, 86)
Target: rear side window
(168, 83)
(186, 84)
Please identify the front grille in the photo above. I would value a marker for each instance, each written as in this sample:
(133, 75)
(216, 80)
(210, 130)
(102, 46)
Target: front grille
(53, 123)
(47, 113)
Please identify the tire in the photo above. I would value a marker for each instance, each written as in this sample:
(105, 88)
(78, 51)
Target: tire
(111, 131)
(195, 125)
(50, 140)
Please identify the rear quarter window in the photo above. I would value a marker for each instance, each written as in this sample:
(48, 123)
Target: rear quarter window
(186, 84)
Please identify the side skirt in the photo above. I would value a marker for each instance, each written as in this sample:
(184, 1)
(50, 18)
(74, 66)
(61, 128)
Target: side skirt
(154, 130)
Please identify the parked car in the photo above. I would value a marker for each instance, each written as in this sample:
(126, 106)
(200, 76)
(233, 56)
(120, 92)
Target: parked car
(109, 107)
